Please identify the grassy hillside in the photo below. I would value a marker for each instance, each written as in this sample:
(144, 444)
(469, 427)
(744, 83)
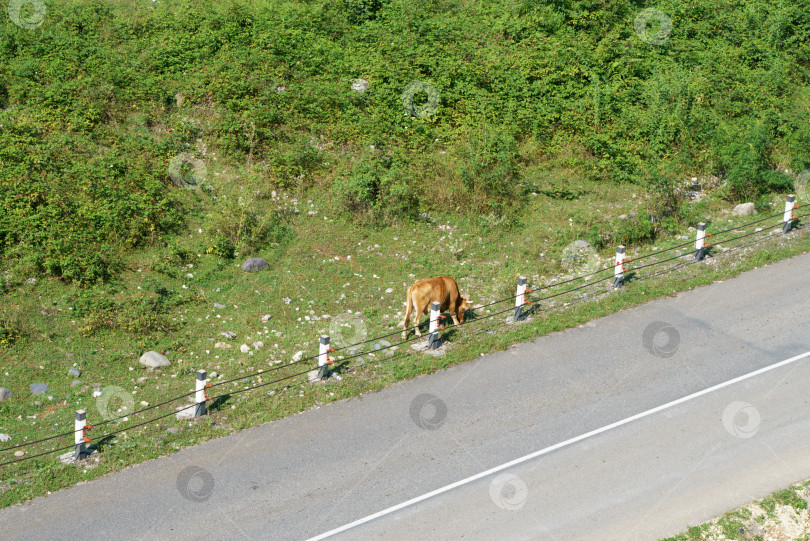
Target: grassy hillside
(98, 99)
(148, 148)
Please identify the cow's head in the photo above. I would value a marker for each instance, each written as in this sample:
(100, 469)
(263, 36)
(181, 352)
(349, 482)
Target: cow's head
(462, 309)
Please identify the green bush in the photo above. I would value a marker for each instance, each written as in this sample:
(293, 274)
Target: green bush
(489, 163)
(377, 185)
(90, 119)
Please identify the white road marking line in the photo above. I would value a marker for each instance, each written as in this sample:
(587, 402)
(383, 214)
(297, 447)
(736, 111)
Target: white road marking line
(554, 447)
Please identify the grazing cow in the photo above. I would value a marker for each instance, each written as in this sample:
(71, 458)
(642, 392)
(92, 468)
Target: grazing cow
(423, 293)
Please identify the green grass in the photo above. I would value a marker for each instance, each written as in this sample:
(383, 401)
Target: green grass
(741, 523)
(65, 324)
(554, 120)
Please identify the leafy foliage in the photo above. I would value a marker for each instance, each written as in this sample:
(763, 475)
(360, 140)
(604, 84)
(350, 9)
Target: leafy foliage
(96, 102)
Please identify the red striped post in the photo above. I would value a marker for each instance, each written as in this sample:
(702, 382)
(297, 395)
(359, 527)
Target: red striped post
(81, 421)
(700, 250)
(199, 398)
(787, 221)
(520, 299)
(618, 273)
(323, 357)
(433, 339)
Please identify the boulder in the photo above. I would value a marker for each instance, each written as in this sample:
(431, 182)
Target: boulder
(75, 372)
(5, 394)
(744, 209)
(38, 388)
(255, 264)
(359, 85)
(153, 359)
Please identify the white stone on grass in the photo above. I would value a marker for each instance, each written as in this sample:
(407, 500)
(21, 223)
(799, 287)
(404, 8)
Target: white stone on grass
(744, 209)
(153, 359)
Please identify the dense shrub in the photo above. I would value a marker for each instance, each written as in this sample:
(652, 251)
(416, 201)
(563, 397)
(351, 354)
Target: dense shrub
(377, 185)
(95, 103)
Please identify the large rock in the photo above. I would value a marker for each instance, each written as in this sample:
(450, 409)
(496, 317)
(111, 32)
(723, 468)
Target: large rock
(38, 388)
(255, 264)
(5, 394)
(744, 209)
(153, 359)
(359, 85)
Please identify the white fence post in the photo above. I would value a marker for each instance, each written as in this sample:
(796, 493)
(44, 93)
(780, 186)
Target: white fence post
(700, 251)
(433, 338)
(520, 299)
(81, 422)
(618, 275)
(199, 398)
(323, 357)
(787, 222)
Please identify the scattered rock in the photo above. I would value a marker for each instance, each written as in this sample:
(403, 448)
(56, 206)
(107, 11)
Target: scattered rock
(142, 380)
(389, 290)
(214, 374)
(258, 345)
(298, 356)
(219, 306)
(38, 388)
(229, 334)
(172, 430)
(5, 394)
(744, 209)
(222, 345)
(19, 453)
(75, 382)
(255, 264)
(286, 300)
(359, 85)
(385, 343)
(244, 348)
(4, 437)
(75, 372)
(187, 413)
(153, 359)
(96, 392)
(37, 403)
(266, 318)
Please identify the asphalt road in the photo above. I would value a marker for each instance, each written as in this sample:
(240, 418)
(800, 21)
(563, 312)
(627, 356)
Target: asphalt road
(646, 478)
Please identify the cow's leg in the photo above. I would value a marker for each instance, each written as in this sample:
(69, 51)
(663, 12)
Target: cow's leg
(408, 308)
(418, 316)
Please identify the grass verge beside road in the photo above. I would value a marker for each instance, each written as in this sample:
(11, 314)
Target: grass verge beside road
(338, 278)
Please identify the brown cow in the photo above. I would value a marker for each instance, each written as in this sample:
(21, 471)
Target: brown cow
(423, 293)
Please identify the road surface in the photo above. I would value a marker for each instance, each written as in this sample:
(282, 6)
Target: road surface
(647, 468)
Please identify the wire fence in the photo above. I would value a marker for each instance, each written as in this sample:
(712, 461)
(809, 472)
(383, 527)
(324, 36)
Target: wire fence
(631, 273)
